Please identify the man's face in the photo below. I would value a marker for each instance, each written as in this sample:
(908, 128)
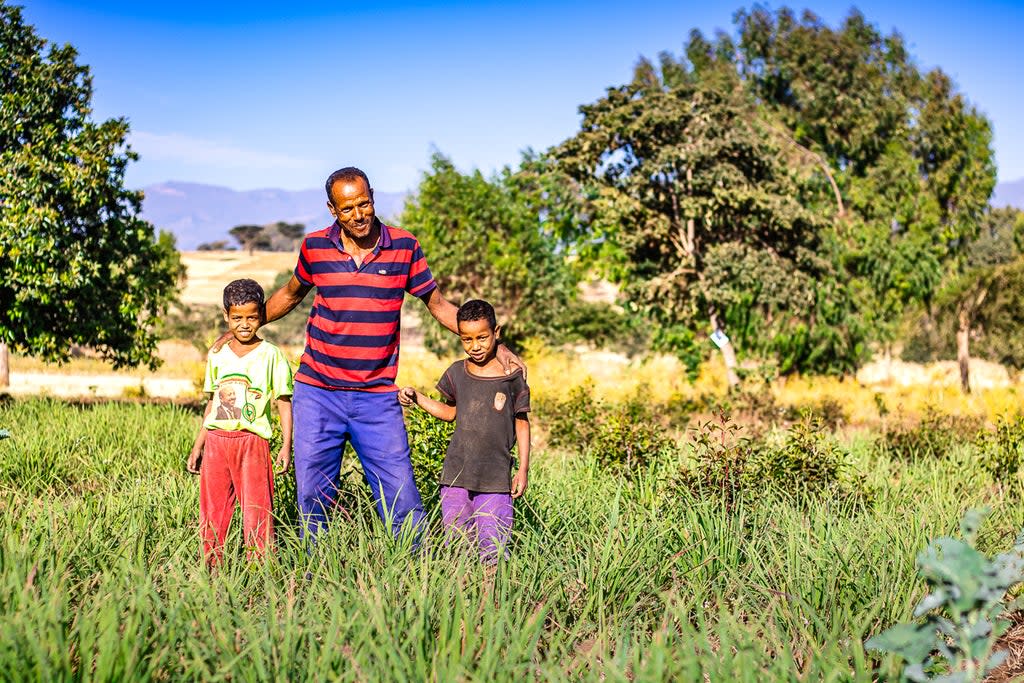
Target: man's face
(352, 204)
(227, 396)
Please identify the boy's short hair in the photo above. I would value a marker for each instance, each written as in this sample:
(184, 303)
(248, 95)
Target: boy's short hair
(241, 292)
(477, 309)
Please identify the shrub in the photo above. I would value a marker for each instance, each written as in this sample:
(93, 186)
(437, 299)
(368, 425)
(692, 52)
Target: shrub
(572, 423)
(828, 410)
(934, 436)
(1000, 451)
(629, 436)
(806, 462)
(626, 435)
(428, 443)
(723, 460)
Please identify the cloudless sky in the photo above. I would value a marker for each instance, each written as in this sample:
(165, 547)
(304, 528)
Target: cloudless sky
(255, 95)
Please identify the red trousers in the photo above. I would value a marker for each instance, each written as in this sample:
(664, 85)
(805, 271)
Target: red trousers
(235, 466)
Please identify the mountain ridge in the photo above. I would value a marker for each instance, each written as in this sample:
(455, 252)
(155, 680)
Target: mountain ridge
(196, 213)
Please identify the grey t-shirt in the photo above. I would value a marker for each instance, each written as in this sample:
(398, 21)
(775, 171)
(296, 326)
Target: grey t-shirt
(479, 455)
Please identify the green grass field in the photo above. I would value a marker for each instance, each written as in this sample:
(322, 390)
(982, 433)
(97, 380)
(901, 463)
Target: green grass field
(614, 576)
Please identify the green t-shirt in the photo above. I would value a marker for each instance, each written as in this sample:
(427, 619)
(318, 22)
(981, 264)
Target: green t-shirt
(243, 388)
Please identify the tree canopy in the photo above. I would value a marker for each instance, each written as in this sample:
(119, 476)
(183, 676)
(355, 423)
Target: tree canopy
(795, 186)
(77, 264)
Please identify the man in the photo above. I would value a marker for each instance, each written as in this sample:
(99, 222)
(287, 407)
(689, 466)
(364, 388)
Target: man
(345, 385)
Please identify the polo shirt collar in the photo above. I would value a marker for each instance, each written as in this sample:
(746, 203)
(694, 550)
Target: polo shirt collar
(334, 234)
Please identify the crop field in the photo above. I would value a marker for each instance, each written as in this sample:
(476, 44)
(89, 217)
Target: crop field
(654, 543)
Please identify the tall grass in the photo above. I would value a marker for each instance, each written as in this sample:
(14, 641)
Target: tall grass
(612, 577)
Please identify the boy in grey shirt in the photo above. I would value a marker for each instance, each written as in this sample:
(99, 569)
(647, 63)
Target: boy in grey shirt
(490, 412)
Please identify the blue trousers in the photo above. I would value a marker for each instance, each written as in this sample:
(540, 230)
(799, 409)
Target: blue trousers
(324, 420)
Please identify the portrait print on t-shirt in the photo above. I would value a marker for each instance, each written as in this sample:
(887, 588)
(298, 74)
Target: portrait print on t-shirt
(232, 399)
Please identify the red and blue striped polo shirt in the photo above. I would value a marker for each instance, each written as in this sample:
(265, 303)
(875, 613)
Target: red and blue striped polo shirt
(353, 331)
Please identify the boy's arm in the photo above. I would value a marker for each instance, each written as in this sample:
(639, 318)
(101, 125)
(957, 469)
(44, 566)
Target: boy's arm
(521, 478)
(196, 456)
(284, 457)
(442, 411)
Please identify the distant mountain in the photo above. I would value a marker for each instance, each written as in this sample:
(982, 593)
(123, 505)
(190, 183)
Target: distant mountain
(197, 213)
(1009, 194)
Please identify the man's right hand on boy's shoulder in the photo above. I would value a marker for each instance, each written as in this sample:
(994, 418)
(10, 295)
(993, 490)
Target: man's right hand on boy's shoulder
(407, 396)
(221, 341)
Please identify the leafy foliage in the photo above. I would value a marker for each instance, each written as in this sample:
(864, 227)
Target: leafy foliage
(624, 435)
(1001, 451)
(933, 436)
(77, 264)
(965, 597)
(428, 444)
(806, 463)
(483, 239)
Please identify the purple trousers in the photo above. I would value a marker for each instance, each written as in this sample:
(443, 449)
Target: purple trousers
(324, 420)
(485, 518)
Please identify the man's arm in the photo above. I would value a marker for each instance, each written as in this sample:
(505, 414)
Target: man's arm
(278, 306)
(443, 310)
(288, 297)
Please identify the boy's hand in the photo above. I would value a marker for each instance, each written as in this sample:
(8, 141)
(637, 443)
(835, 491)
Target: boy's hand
(407, 396)
(284, 461)
(519, 484)
(194, 460)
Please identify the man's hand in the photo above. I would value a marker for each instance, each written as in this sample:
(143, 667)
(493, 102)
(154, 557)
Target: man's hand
(221, 341)
(407, 396)
(283, 461)
(195, 458)
(509, 361)
(519, 484)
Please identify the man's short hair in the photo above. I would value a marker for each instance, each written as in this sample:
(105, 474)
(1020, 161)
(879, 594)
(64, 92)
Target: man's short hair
(348, 173)
(477, 309)
(242, 292)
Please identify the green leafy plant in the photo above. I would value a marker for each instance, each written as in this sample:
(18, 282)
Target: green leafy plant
(428, 443)
(626, 434)
(806, 463)
(934, 436)
(955, 642)
(1001, 450)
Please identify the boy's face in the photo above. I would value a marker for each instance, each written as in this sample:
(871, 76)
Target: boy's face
(243, 321)
(478, 339)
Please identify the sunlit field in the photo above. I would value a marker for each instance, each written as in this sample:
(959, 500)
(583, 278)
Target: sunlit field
(645, 571)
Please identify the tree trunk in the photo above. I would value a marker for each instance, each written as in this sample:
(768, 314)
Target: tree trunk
(963, 348)
(5, 367)
(728, 355)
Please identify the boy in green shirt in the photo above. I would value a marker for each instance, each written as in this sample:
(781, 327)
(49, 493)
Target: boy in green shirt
(231, 453)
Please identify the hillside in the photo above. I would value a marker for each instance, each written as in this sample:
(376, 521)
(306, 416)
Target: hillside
(196, 213)
(208, 271)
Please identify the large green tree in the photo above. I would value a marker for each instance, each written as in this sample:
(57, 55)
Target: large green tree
(827, 182)
(485, 238)
(77, 264)
(714, 222)
(911, 157)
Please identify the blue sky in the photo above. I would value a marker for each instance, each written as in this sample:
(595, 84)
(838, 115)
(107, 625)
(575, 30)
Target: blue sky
(254, 95)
